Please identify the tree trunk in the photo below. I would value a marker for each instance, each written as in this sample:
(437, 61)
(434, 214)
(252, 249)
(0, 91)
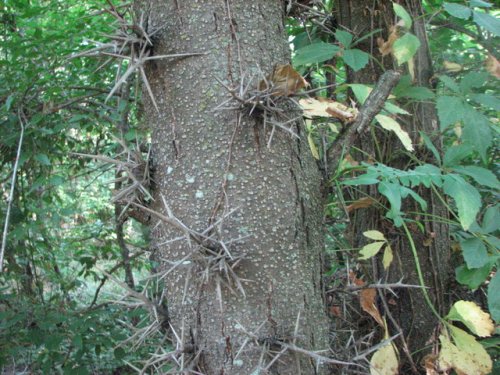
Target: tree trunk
(254, 212)
(409, 311)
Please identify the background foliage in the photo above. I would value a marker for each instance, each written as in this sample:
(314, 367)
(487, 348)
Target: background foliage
(56, 304)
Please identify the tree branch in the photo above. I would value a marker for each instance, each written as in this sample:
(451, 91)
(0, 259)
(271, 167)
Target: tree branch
(10, 199)
(368, 111)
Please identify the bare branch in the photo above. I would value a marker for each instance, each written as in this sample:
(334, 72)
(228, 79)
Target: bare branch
(10, 199)
(372, 106)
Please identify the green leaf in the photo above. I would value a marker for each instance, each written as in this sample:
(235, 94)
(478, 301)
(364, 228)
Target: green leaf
(8, 102)
(361, 180)
(360, 91)
(53, 341)
(473, 80)
(487, 100)
(393, 194)
(56, 180)
(405, 48)
(428, 143)
(455, 154)
(119, 353)
(394, 109)
(474, 252)
(481, 175)
(491, 219)
(77, 341)
(489, 22)
(417, 93)
(466, 197)
(374, 235)
(494, 297)
(450, 110)
(450, 83)
(403, 14)
(355, 58)
(43, 159)
(473, 278)
(344, 37)
(370, 250)
(406, 191)
(315, 53)
(480, 3)
(457, 10)
(477, 131)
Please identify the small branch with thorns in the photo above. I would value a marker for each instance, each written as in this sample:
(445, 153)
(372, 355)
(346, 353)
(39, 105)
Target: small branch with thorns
(132, 42)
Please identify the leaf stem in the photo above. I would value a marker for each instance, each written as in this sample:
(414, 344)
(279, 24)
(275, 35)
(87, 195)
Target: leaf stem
(420, 275)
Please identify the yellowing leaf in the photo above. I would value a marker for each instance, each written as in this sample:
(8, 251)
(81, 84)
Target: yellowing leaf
(312, 146)
(473, 317)
(322, 107)
(451, 357)
(405, 48)
(452, 67)
(370, 250)
(468, 357)
(392, 125)
(467, 343)
(384, 361)
(388, 256)
(374, 235)
(411, 68)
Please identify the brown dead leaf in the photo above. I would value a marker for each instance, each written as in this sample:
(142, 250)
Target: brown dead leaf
(367, 301)
(355, 280)
(492, 66)
(335, 311)
(360, 203)
(385, 47)
(283, 81)
(430, 365)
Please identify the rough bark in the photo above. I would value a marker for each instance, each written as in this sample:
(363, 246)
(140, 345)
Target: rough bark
(208, 163)
(409, 310)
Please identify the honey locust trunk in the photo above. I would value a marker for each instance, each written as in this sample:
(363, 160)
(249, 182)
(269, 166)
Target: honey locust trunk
(243, 278)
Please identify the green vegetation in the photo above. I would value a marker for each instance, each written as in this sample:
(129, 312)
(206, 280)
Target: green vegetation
(67, 251)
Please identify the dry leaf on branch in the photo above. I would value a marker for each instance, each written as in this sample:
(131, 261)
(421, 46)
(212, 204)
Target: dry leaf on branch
(283, 81)
(322, 107)
(360, 203)
(385, 47)
(367, 299)
(493, 66)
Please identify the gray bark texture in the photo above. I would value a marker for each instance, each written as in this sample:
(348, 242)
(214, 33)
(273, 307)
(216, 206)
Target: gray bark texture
(209, 163)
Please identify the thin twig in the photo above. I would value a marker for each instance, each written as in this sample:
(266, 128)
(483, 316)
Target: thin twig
(10, 199)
